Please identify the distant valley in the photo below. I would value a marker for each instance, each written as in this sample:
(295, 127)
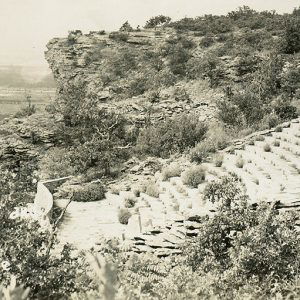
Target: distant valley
(17, 82)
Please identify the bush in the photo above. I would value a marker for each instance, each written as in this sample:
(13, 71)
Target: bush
(194, 176)
(89, 193)
(24, 250)
(226, 191)
(152, 189)
(129, 202)
(180, 94)
(218, 160)
(286, 112)
(171, 136)
(260, 138)
(173, 170)
(202, 151)
(206, 41)
(276, 143)
(157, 21)
(28, 110)
(267, 148)
(239, 163)
(57, 162)
(235, 243)
(291, 40)
(119, 36)
(126, 27)
(124, 216)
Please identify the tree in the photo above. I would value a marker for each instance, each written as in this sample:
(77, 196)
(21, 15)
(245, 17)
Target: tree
(291, 38)
(157, 21)
(126, 27)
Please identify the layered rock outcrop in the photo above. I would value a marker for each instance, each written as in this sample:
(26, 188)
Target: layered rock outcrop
(76, 59)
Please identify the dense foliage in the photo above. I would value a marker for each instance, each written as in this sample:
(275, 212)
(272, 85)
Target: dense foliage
(251, 61)
(171, 136)
(240, 252)
(25, 245)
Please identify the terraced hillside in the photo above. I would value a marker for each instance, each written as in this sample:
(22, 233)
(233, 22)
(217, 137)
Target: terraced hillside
(268, 162)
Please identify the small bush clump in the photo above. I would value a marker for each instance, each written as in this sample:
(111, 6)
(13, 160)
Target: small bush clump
(239, 163)
(152, 189)
(278, 129)
(206, 41)
(202, 151)
(119, 36)
(194, 176)
(130, 202)
(218, 160)
(276, 143)
(124, 216)
(260, 138)
(172, 170)
(89, 193)
(267, 148)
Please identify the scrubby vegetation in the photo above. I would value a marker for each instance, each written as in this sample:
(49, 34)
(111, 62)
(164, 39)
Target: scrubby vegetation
(89, 193)
(152, 189)
(194, 176)
(172, 170)
(250, 62)
(172, 136)
(124, 216)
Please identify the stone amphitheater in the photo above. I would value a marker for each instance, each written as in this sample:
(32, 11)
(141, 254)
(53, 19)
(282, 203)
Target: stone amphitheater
(270, 172)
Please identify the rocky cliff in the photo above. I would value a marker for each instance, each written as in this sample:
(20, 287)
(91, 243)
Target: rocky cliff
(84, 57)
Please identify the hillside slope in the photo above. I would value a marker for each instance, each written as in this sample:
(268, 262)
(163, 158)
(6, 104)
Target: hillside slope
(160, 224)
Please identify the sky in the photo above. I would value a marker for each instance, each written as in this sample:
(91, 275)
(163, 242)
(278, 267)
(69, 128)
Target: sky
(27, 25)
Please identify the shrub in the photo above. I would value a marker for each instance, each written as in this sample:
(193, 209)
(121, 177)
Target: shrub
(119, 36)
(126, 27)
(218, 137)
(202, 151)
(173, 170)
(28, 110)
(124, 216)
(152, 189)
(194, 176)
(218, 160)
(89, 193)
(239, 163)
(129, 202)
(291, 40)
(278, 129)
(136, 191)
(171, 136)
(234, 241)
(206, 41)
(260, 138)
(180, 94)
(276, 143)
(157, 21)
(226, 191)
(286, 111)
(267, 148)
(57, 162)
